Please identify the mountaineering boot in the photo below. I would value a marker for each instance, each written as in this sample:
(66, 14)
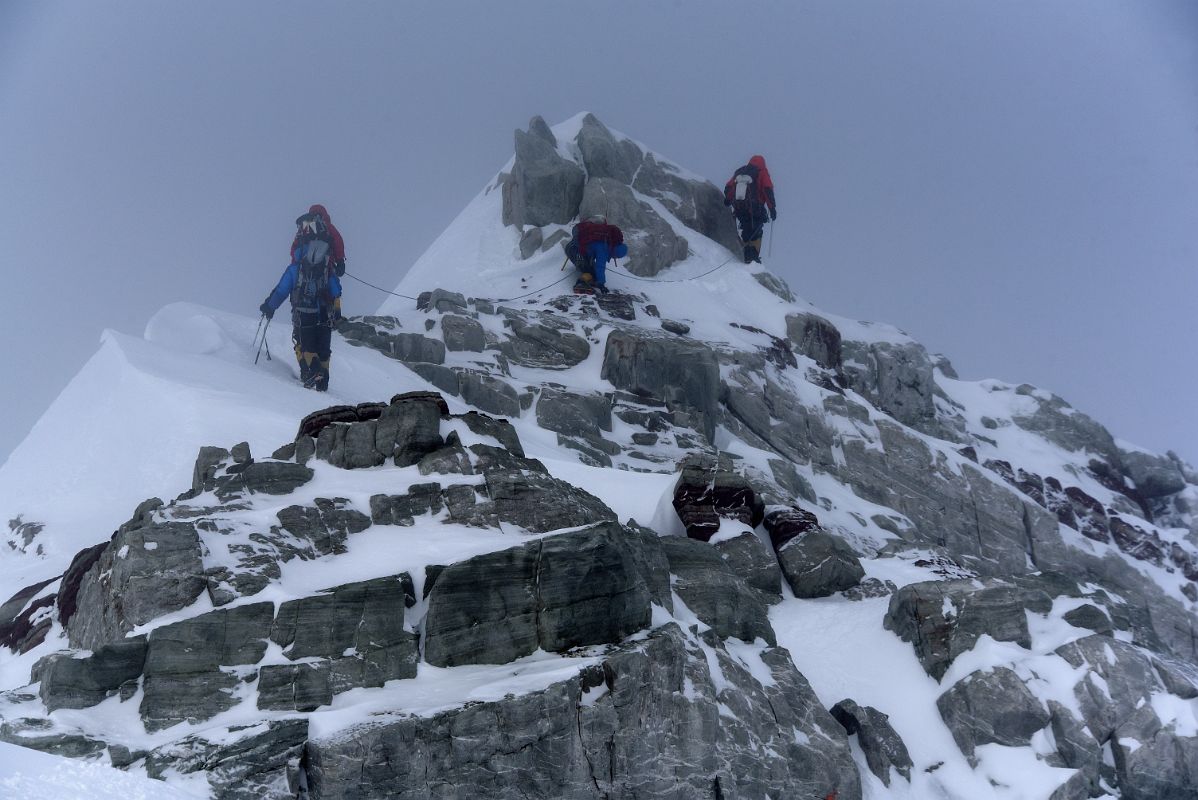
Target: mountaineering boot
(582, 287)
(320, 376)
(750, 253)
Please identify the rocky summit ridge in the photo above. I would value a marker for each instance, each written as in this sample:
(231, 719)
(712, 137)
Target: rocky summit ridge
(550, 545)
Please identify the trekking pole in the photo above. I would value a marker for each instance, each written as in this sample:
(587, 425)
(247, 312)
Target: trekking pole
(770, 254)
(263, 342)
(563, 269)
(257, 333)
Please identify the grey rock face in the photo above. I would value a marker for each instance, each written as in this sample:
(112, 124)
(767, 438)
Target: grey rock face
(141, 575)
(543, 188)
(573, 414)
(991, 707)
(815, 338)
(489, 393)
(374, 332)
(943, 619)
(628, 727)
(40, 734)
(365, 619)
(652, 243)
(1154, 476)
(462, 333)
(749, 558)
(1152, 761)
(326, 525)
(530, 242)
(555, 593)
(771, 282)
(1076, 748)
(683, 373)
(1123, 680)
(774, 414)
(184, 679)
(260, 766)
(69, 682)
(1179, 677)
(605, 157)
(546, 341)
(1061, 424)
(440, 300)
(895, 378)
(819, 564)
(986, 526)
(697, 204)
(883, 747)
(716, 594)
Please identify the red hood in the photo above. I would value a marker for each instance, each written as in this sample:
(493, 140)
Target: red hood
(757, 161)
(319, 209)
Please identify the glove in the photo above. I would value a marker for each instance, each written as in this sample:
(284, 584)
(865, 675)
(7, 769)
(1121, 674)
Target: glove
(266, 310)
(773, 214)
(339, 267)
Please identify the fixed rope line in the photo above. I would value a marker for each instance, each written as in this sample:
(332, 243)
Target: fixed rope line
(380, 288)
(497, 300)
(677, 280)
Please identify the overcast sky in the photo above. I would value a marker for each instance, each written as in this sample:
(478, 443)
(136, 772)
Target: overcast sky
(1013, 183)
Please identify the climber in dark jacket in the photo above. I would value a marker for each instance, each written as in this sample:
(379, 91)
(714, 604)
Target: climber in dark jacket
(750, 192)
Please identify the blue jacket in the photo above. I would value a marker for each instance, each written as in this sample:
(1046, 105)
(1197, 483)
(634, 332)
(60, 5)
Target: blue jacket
(286, 283)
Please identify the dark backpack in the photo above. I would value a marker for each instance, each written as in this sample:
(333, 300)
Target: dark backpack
(744, 190)
(311, 292)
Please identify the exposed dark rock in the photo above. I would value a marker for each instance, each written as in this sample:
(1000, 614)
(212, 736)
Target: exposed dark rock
(991, 707)
(404, 347)
(647, 717)
(261, 764)
(819, 564)
(943, 619)
(1123, 680)
(1153, 761)
(815, 338)
(882, 746)
(716, 594)
(530, 242)
(71, 682)
(543, 188)
(679, 328)
(554, 593)
(784, 524)
(489, 393)
(142, 574)
(1061, 424)
(1154, 476)
(603, 155)
(1090, 616)
(38, 733)
(462, 333)
(363, 619)
(546, 341)
(1137, 542)
(1075, 746)
(708, 490)
(184, 679)
(440, 300)
(262, 477)
(1178, 677)
(754, 562)
(19, 631)
(896, 378)
(696, 204)
(572, 413)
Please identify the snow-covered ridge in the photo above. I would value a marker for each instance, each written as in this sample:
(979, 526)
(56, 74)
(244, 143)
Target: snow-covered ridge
(831, 470)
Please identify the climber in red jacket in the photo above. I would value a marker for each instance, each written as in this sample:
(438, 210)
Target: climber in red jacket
(750, 193)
